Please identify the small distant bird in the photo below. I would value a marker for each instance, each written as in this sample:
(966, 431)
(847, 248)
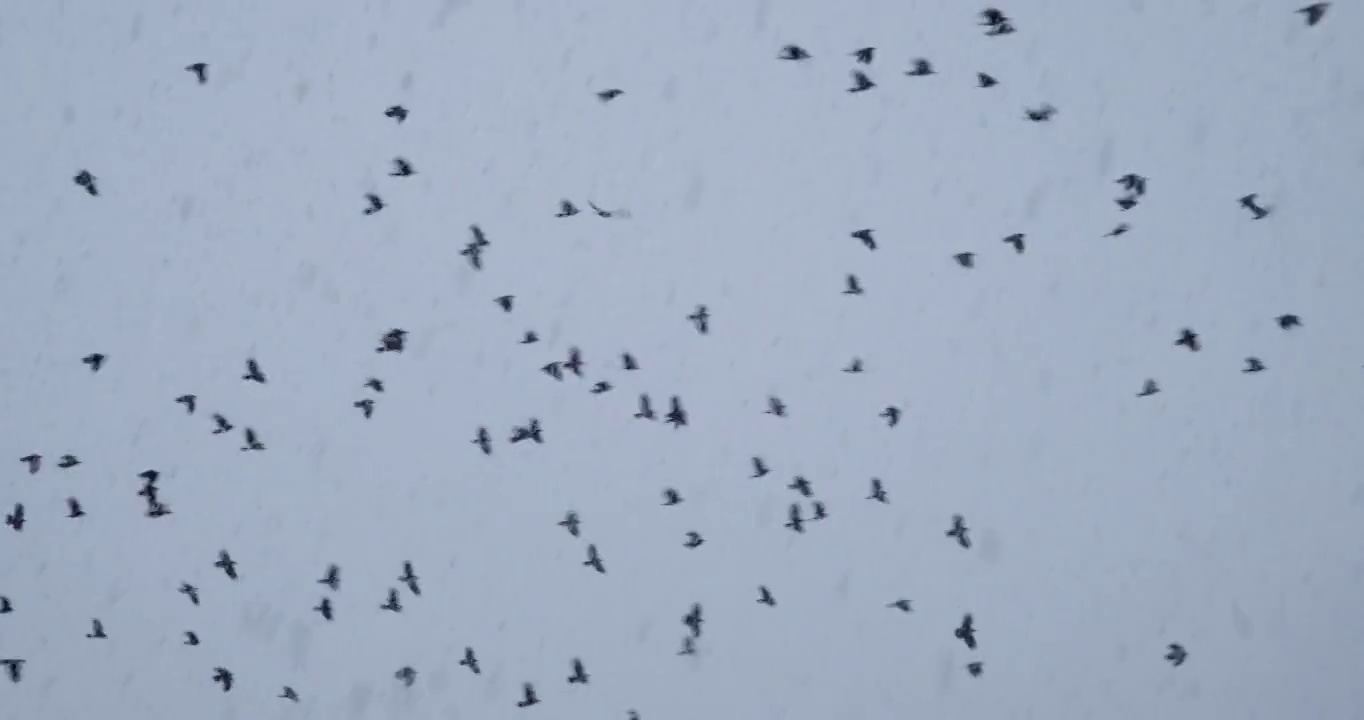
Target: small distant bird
(793, 52)
(190, 592)
(191, 638)
(1253, 365)
(1042, 113)
(529, 338)
(701, 319)
(966, 632)
(6, 607)
(480, 238)
(865, 235)
(693, 620)
(570, 523)
(921, 67)
(1133, 183)
(375, 203)
(253, 373)
(188, 401)
(878, 492)
(73, 508)
(68, 461)
(470, 661)
(200, 71)
(324, 608)
(375, 384)
(1149, 388)
(891, 415)
(475, 254)
(528, 696)
(609, 94)
(594, 560)
(775, 407)
(407, 675)
(646, 411)
(221, 424)
(1016, 240)
(852, 286)
(992, 17)
(14, 667)
(861, 83)
(223, 677)
(671, 497)
(1256, 210)
(394, 341)
(966, 259)
(289, 694)
(819, 513)
(87, 181)
(760, 468)
(1120, 229)
(484, 441)
(392, 604)
(409, 578)
(15, 518)
(575, 361)
(251, 441)
(1288, 322)
(505, 302)
(1314, 12)
(694, 540)
(397, 112)
(960, 531)
(864, 55)
(765, 596)
(975, 668)
(333, 578)
(366, 406)
(855, 366)
(579, 676)
(96, 630)
(677, 416)
(627, 362)
(94, 360)
(603, 213)
(985, 81)
(600, 387)
(566, 209)
(793, 519)
(1127, 202)
(226, 564)
(902, 605)
(1189, 339)
(1177, 654)
(401, 168)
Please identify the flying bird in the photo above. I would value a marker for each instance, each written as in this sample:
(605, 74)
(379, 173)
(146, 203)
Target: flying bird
(865, 235)
(765, 596)
(801, 485)
(226, 564)
(470, 661)
(646, 411)
(566, 209)
(1016, 240)
(14, 667)
(861, 83)
(406, 675)
(94, 360)
(87, 181)
(671, 497)
(985, 81)
(891, 415)
(392, 604)
(223, 677)
(1189, 339)
(504, 302)
(921, 67)
(701, 319)
(288, 693)
(1253, 365)
(409, 578)
(864, 55)
(594, 560)
(975, 668)
(1313, 14)
(1288, 322)
(852, 286)
(251, 441)
(375, 204)
(15, 518)
(960, 532)
(794, 521)
(190, 592)
(1177, 654)
(221, 425)
(528, 696)
(775, 407)
(793, 52)
(1149, 388)
(966, 631)
(1041, 113)
(68, 461)
(759, 467)
(401, 168)
(366, 406)
(902, 605)
(200, 71)
(253, 373)
(96, 630)
(570, 523)
(609, 94)
(627, 362)
(324, 608)
(965, 259)
(397, 112)
(694, 540)
(1257, 211)
(579, 676)
(878, 492)
(677, 416)
(73, 508)
(188, 401)
(1119, 229)
(191, 638)
(484, 441)
(375, 384)
(34, 462)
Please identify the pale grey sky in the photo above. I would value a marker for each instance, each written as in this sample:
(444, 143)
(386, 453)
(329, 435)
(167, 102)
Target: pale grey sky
(1223, 513)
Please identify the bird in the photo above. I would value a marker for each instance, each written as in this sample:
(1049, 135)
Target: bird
(760, 468)
(694, 620)
(1041, 113)
(671, 497)
(34, 462)
(68, 461)
(1133, 183)
(288, 694)
(1253, 365)
(157, 509)
(394, 341)
(603, 213)
(484, 441)
(94, 360)
(529, 338)
(865, 236)
(920, 67)
(223, 677)
(73, 508)
(855, 366)
(677, 416)
(1189, 339)
(1177, 654)
(375, 384)
(333, 578)
(366, 406)
(1016, 240)
(1314, 12)
(191, 638)
(14, 667)
(579, 676)
(374, 204)
(528, 696)
(1119, 229)
(600, 387)
(765, 596)
(470, 661)
(480, 238)
(966, 259)
(566, 209)
(864, 55)
(190, 592)
(985, 81)
(253, 373)
(475, 254)
(221, 425)
(324, 608)
(1126, 202)
(15, 518)
(1149, 388)
(574, 363)
(902, 605)
(609, 94)
(818, 511)
(1288, 322)
(188, 401)
(504, 302)
(701, 319)
(801, 485)
(553, 369)
(87, 181)
(200, 71)
(646, 411)
(6, 607)
(1003, 28)
(966, 631)
(775, 407)
(960, 531)
(992, 17)
(975, 668)
(401, 168)
(694, 540)
(852, 286)
(794, 520)
(392, 604)
(406, 675)
(594, 559)
(627, 362)
(96, 630)
(397, 112)
(409, 577)
(861, 83)
(1257, 211)
(570, 523)
(251, 441)
(793, 52)
(891, 415)
(878, 492)
(226, 564)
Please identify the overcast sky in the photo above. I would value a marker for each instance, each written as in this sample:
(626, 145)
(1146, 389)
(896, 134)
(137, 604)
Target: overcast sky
(1224, 513)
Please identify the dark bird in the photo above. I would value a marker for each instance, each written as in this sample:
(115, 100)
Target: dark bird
(570, 523)
(1189, 339)
(73, 508)
(375, 384)
(528, 432)
(200, 71)
(759, 468)
(366, 406)
(407, 675)
(775, 407)
(1016, 240)
(1133, 183)
(410, 579)
(693, 620)
(992, 17)
(819, 513)
(397, 112)
(600, 387)
(1041, 113)
(765, 596)
(966, 632)
(891, 415)
(965, 259)
(226, 564)
(594, 560)
(671, 497)
(801, 485)
(394, 341)
(1288, 322)
(375, 202)
(528, 696)
(96, 630)
(68, 461)
(676, 416)
(920, 68)
(223, 677)
(188, 401)
(878, 492)
(190, 592)
(1313, 14)
(401, 168)
(575, 361)
(852, 286)
(529, 338)
(902, 605)
(221, 425)
(288, 694)
(1149, 388)
(610, 94)
(865, 235)
(191, 638)
(87, 181)
(1257, 212)
(251, 441)
(701, 319)
(579, 676)
(646, 411)
(861, 83)
(864, 55)
(975, 668)
(504, 302)
(1253, 365)
(6, 607)
(484, 441)
(627, 362)
(566, 209)
(553, 369)
(15, 518)
(392, 604)
(985, 81)
(1121, 229)
(475, 254)
(855, 366)
(480, 238)
(793, 52)
(94, 360)
(794, 520)
(693, 541)
(960, 531)
(1177, 654)
(14, 667)
(253, 373)
(1126, 203)
(470, 661)
(324, 608)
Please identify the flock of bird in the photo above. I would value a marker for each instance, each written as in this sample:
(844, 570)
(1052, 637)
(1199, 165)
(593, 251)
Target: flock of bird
(799, 517)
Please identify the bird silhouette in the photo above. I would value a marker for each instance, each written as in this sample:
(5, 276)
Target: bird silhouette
(401, 168)
(694, 620)
(1127, 202)
(406, 675)
(251, 441)
(992, 17)
(73, 508)
(920, 67)
(504, 302)
(474, 253)
(68, 461)
(87, 181)
(1041, 113)
(794, 521)
(854, 366)
(1177, 654)
(397, 112)
(528, 696)
(34, 462)
(1119, 229)
(409, 578)
(566, 209)
(221, 425)
(600, 387)
(902, 605)
(1016, 240)
(865, 236)
(759, 467)
(693, 541)
(765, 596)
(861, 83)
(1253, 365)
(1149, 388)
(627, 362)
(775, 407)
(253, 373)
(960, 532)
(470, 661)
(15, 519)
(6, 607)
(392, 604)
(96, 630)
(701, 319)
(374, 204)
(226, 564)
(609, 94)
(1189, 339)
(484, 441)
(864, 55)
(975, 668)
(1003, 28)
(1133, 183)
(94, 360)
(191, 638)
(14, 667)
(688, 646)
(965, 259)
(984, 80)
(529, 338)
(288, 693)
(677, 416)
(200, 71)
(579, 676)
(966, 631)
(375, 384)
(553, 369)
(366, 406)
(801, 485)
(570, 523)
(324, 608)
(1288, 322)
(1257, 211)
(646, 411)
(574, 363)
(671, 497)
(190, 592)
(394, 341)
(594, 560)
(852, 286)
(891, 415)
(189, 402)
(1313, 13)
(223, 677)
(333, 578)
(878, 492)
(817, 511)
(793, 52)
